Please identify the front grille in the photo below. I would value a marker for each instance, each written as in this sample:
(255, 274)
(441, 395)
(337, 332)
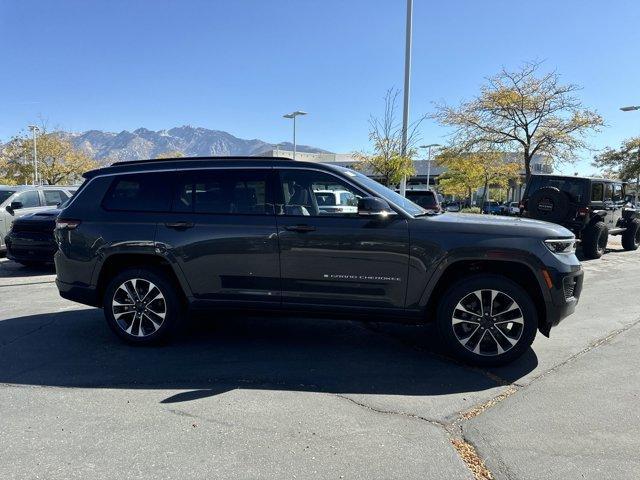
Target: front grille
(32, 227)
(569, 286)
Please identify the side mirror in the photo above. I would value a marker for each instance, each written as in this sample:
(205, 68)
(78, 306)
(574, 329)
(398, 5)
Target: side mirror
(14, 206)
(374, 207)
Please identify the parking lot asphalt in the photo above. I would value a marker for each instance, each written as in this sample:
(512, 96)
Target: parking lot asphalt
(250, 397)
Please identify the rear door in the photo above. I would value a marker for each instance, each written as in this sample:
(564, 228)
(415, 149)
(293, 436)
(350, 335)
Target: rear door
(53, 198)
(613, 203)
(30, 200)
(337, 258)
(222, 234)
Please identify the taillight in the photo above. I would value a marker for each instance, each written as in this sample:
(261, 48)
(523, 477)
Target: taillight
(66, 224)
(583, 211)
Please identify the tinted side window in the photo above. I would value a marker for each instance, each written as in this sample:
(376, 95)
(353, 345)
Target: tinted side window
(54, 197)
(142, 192)
(29, 199)
(608, 192)
(597, 190)
(304, 193)
(617, 192)
(243, 192)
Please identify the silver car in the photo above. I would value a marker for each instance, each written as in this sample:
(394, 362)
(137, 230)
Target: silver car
(19, 200)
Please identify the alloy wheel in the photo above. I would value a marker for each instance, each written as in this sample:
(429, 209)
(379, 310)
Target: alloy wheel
(139, 307)
(487, 322)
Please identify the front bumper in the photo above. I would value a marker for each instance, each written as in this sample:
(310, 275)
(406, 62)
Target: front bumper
(30, 247)
(563, 297)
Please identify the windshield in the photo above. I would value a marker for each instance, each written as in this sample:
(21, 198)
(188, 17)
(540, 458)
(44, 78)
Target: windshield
(4, 194)
(424, 199)
(389, 195)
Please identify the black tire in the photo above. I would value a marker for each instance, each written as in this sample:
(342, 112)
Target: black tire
(549, 204)
(169, 304)
(631, 236)
(594, 240)
(485, 352)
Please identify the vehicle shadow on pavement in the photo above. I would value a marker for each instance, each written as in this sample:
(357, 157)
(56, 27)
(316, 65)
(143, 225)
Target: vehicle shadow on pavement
(9, 269)
(216, 355)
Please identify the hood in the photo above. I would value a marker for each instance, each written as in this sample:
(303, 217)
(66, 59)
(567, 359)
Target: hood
(47, 217)
(469, 223)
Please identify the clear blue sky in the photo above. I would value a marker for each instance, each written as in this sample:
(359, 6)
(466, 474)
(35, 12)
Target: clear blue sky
(238, 65)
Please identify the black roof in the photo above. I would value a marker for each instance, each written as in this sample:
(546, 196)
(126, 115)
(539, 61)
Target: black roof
(189, 159)
(592, 179)
(198, 162)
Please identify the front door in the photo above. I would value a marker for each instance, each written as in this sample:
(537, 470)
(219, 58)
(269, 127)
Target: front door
(222, 233)
(337, 258)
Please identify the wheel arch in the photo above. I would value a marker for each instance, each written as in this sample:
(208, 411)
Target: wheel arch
(118, 262)
(519, 272)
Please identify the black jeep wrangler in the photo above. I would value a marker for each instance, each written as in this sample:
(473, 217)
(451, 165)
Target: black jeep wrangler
(592, 208)
(146, 240)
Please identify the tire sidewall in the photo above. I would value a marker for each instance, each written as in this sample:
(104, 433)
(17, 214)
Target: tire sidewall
(172, 302)
(484, 282)
(592, 235)
(629, 236)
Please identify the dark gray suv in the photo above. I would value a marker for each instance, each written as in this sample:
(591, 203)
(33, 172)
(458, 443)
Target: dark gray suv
(146, 240)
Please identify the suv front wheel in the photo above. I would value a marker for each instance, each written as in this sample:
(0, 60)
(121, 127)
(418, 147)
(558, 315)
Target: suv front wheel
(141, 306)
(487, 320)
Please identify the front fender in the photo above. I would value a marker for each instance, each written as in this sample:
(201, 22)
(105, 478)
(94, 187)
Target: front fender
(470, 254)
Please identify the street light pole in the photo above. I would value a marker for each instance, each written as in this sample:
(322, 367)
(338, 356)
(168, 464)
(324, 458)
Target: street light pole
(34, 129)
(631, 108)
(429, 147)
(293, 116)
(407, 82)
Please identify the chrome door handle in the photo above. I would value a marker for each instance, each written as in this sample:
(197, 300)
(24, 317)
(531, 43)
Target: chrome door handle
(300, 228)
(179, 225)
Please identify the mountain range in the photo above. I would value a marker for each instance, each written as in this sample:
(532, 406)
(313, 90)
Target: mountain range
(191, 141)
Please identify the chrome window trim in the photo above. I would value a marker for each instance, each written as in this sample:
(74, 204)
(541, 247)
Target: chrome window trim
(393, 205)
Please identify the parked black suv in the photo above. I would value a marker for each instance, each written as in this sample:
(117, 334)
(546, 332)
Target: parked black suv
(146, 239)
(592, 208)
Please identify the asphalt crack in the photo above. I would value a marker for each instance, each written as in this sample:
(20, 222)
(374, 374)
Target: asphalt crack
(30, 332)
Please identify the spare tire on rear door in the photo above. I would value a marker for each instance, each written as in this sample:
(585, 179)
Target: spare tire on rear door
(549, 204)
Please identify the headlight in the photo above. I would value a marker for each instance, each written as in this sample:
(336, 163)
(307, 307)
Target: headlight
(561, 245)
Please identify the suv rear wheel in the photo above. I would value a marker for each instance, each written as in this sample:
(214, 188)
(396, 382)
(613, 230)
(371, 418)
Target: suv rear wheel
(487, 320)
(141, 306)
(594, 240)
(631, 236)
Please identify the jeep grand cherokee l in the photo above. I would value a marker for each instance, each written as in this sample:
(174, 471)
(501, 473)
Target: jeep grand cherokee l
(146, 240)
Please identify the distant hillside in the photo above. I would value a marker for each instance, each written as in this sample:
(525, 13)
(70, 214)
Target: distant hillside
(191, 141)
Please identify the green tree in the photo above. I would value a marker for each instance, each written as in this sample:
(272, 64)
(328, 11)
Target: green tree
(468, 172)
(171, 154)
(58, 160)
(385, 134)
(523, 110)
(623, 162)
(462, 178)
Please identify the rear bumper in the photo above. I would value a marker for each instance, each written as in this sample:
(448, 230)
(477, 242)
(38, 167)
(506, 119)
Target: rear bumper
(78, 293)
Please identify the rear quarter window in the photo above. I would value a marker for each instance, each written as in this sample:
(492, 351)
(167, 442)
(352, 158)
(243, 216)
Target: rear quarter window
(148, 192)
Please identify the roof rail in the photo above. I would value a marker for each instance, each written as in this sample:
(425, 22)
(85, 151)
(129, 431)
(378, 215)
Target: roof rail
(182, 159)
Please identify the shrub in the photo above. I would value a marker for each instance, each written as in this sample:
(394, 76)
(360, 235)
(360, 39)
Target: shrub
(471, 210)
